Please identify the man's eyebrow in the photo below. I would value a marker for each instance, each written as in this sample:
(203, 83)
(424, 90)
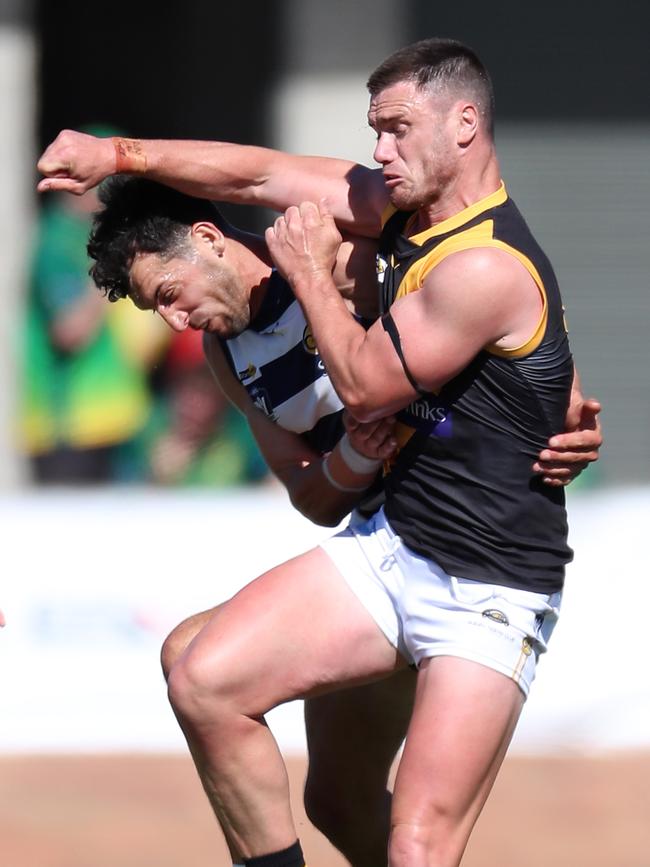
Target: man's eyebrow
(138, 299)
(383, 116)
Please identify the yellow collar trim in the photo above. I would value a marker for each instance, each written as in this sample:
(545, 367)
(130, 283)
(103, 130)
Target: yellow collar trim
(498, 197)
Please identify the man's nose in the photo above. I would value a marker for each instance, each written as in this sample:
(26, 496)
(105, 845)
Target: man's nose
(384, 149)
(178, 320)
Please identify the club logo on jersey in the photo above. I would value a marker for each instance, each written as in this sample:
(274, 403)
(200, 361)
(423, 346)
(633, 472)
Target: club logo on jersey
(496, 615)
(262, 401)
(248, 373)
(308, 341)
(428, 416)
(381, 266)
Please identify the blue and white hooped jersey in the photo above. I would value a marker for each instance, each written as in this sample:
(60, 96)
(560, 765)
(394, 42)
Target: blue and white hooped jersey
(277, 362)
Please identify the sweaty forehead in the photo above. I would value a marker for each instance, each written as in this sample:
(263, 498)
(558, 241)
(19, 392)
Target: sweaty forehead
(397, 100)
(145, 274)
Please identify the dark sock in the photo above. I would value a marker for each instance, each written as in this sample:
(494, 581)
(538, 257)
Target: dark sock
(291, 857)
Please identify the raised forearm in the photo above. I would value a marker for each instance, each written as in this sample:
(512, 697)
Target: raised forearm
(218, 170)
(243, 174)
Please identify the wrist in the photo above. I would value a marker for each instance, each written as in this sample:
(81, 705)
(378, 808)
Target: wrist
(130, 156)
(347, 470)
(354, 460)
(312, 278)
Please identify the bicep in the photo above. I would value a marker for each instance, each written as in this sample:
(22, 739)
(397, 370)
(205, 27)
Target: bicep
(436, 340)
(355, 195)
(473, 299)
(429, 336)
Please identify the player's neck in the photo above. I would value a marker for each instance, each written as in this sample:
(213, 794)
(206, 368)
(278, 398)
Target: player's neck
(254, 266)
(477, 181)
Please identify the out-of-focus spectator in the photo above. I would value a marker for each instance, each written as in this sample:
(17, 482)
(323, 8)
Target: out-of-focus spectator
(196, 437)
(85, 394)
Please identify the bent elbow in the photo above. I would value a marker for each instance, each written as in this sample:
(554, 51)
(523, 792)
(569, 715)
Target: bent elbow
(320, 514)
(358, 404)
(363, 408)
(319, 510)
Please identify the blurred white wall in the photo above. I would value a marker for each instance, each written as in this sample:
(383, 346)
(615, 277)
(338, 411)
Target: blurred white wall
(94, 582)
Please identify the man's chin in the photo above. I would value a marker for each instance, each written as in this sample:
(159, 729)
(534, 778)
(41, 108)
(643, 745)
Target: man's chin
(400, 199)
(227, 329)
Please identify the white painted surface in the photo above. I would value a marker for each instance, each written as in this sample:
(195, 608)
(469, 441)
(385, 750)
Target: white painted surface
(91, 583)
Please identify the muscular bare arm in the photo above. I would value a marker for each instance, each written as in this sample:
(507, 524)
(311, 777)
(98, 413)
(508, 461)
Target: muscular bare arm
(243, 174)
(371, 388)
(442, 328)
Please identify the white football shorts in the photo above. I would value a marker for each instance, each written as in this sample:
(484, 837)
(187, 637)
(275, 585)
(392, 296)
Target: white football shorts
(424, 612)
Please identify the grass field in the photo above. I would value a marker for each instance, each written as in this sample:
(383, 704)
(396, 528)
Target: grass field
(149, 811)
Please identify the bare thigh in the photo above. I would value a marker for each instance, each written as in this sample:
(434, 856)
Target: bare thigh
(354, 734)
(463, 720)
(296, 631)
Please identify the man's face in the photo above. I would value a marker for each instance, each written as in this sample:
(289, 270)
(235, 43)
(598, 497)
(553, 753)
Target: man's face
(416, 143)
(196, 289)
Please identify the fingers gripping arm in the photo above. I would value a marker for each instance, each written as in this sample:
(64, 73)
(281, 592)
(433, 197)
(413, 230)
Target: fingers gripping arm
(569, 453)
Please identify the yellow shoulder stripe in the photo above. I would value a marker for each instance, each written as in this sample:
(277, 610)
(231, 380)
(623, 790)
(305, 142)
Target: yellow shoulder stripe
(480, 236)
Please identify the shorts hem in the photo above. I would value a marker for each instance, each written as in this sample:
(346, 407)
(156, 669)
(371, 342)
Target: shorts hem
(523, 684)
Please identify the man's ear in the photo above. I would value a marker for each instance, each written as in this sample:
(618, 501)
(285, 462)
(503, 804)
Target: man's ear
(207, 233)
(468, 123)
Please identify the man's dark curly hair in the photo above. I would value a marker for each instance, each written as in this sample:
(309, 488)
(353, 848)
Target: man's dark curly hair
(140, 216)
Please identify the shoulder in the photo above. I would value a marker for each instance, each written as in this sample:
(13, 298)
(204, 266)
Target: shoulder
(215, 355)
(478, 274)
(214, 352)
(485, 291)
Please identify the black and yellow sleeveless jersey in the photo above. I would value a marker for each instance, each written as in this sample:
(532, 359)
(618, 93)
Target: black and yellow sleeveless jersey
(461, 490)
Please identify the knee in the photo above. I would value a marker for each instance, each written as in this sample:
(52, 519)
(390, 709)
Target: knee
(172, 649)
(408, 844)
(347, 813)
(179, 639)
(206, 684)
(192, 687)
(441, 843)
(324, 810)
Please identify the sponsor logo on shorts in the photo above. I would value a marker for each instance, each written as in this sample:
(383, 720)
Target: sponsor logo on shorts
(527, 646)
(496, 615)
